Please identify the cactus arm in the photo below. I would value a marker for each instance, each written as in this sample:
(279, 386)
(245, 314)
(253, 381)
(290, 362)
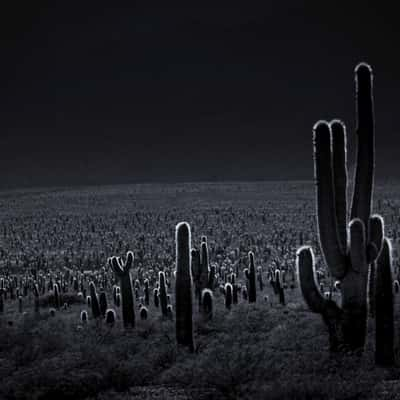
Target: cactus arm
(308, 280)
(376, 237)
(364, 174)
(326, 214)
(358, 249)
(339, 159)
(129, 261)
(115, 266)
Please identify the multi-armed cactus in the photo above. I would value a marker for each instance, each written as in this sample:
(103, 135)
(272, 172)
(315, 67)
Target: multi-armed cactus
(384, 332)
(200, 270)
(250, 274)
(122, 271)
(348, 250)
(183, 288)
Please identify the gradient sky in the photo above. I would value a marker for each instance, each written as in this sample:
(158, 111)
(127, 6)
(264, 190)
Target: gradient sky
(96, 94)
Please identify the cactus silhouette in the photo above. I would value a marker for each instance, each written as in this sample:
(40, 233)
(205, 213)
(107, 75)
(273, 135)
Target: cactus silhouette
(163, 294)
(110, 317)
(228, 295)
(122, 271)
(94, 300)
(183, 288)
(384, 332)
(250, 274)
(200, 269)
(207, 303)
(348, 258)
(84, 316)
(56, 297)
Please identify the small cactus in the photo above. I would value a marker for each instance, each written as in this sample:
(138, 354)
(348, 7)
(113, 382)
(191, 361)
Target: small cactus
(110, 317)
(228, 295)
(143, 313)
(84, 316)
(207, 303)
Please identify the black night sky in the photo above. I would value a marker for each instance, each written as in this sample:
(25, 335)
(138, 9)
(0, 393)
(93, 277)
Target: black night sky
(201, 91)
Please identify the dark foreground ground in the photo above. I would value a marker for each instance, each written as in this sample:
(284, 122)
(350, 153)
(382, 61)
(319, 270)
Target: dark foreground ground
(253, 351)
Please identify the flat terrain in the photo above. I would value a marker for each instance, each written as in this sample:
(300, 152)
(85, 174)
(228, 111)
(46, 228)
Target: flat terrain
(262, 350)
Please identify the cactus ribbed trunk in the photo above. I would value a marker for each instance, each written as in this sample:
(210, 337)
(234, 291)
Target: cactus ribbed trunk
(183, 288)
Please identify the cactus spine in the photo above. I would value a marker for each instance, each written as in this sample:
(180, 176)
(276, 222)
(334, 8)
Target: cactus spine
(348, 260)
(122, 271)
(183, 288)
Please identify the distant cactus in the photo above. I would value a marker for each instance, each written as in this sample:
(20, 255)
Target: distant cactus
(207, 303)
(94, 300)
(110, 317)
(146, 292)
(84, 316)
(183, 288)
(348, 259)
(200, 269)
(260, 279)
(20, 304)
(250, 274)
(279, 287)
(163, 294)
(170, 313)
(56, 297)
(122, 272)
(384, 348)
(143, 313)
(36, 299)
(228, 295)
(103, 303)
(156, 298)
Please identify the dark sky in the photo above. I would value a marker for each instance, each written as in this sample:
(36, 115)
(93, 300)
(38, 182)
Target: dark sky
(101, 94)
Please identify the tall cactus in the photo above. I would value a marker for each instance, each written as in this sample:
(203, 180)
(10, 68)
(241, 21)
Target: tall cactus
(348, 258)
(122, 272)
(250, 274)
(183, 288)
(384, 348)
